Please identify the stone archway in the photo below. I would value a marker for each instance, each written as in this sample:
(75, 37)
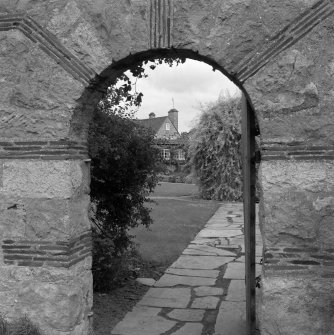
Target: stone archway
(55, 55)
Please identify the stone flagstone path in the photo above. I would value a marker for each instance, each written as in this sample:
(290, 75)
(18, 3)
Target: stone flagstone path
(203, 291)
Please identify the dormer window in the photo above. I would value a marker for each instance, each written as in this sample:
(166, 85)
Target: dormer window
(167, 126)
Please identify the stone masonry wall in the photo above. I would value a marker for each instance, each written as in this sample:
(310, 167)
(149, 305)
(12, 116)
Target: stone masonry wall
(45, 244)
(293, 97)
(56, 59)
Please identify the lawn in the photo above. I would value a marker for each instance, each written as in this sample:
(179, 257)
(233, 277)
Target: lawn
(175, 224)
(175, 190)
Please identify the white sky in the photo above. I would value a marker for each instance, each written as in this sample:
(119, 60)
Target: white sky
(190, 85)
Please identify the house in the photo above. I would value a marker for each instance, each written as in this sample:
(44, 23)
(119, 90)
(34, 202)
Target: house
(167, 134)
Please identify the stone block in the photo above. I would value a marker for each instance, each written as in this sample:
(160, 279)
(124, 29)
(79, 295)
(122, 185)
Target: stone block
(296, 305)
(42, 218)
(168, 280)
(205, 302)
(236, 291)
(191, 315)
(33, 107)
(52, 179)
(201, 262)
(231, 319)
(206, 250)
(58, 306)
(190, 328)
(293, 207)
(209, 233)
(47, 218)
(146, 281)
(13, 218)
(143, 320)
(193, 273)
(235, 271)
(166, 297)
(207, 290)
(57, 300)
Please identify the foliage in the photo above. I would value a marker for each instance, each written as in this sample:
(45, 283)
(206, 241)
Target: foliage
(22, 326)
(214, 151)
(122, 98)
(110, 271)
(123, 172)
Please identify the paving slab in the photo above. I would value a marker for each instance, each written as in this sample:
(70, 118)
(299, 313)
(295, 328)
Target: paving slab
(205, 302)
(233, 215)
(202, 240)
(207, 290)
(169, 280)
(240, 259)
(219, 226)
(146, 281)
(207, 232)
(235, 271)
(207, 250)
(240, 240)
(257, 259)
(143, 320)
(190, 329)
(166, 297)
(187, 314)
(231, 319)
(236, 291)
(201, 262)
(193, 273)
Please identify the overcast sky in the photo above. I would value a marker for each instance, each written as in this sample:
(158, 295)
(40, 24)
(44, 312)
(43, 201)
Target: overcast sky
(190, 85)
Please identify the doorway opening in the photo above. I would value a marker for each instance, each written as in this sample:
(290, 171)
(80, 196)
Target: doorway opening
(249, 131)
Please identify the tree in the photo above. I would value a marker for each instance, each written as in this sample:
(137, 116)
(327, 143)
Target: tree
(214, 151)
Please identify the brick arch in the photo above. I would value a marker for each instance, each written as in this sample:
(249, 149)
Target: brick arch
(57, 59)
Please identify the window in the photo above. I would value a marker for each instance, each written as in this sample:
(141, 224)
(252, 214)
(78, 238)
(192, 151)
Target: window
(166, 154)
(167, 126)
(180, 155)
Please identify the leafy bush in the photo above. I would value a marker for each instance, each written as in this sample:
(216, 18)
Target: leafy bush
(123, 173)
(110, 270)
(214, 151)
(124, 170)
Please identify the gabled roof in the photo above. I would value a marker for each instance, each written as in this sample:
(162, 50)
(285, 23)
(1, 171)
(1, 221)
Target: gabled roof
(154, 123)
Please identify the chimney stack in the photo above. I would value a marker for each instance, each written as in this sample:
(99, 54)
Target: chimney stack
(151, 115)
(173, 116)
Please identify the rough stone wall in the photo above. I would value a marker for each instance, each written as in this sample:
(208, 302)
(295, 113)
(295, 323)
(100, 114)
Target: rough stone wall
(293, 97)
(45, 244)
(56, 58)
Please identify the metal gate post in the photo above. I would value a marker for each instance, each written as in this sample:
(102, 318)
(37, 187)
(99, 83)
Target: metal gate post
(249, 180)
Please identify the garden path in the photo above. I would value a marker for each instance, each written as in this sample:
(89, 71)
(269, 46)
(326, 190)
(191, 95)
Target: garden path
(203, 291)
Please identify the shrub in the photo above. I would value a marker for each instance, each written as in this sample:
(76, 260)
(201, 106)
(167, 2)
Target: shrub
(123, 173)
(124, 170)
(214, 151)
